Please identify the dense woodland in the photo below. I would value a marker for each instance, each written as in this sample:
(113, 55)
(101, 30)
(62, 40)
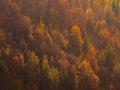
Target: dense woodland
(59, 44)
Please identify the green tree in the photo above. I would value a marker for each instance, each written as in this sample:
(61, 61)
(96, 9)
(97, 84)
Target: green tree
(107, 56)
(117, 67)
(32, 70)
(51, 75)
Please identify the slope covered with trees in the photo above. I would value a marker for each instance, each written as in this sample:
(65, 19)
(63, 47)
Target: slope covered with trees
(59, 44)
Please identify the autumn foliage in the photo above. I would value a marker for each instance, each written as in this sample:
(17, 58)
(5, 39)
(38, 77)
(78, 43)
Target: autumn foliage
(59, 44)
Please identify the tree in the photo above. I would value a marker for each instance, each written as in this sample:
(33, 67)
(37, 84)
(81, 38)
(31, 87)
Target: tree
(92, 51)
(55, 15)
(88, 79)
(115, 7)
(60, 39)
(45, 64)
(75, 40)
(6, 81)
(117, 68)
(51, 75)
(107, 56)
(32, 71)
(104, 33)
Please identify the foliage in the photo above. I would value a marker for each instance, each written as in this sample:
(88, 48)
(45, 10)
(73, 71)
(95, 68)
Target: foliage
(59, 44)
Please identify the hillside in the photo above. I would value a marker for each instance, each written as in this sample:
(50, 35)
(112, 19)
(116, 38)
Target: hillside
(59, 44)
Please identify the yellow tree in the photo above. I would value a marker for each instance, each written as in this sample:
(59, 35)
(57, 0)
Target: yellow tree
(89, 79)
(32, 70)
(92, 54)
(51, 75)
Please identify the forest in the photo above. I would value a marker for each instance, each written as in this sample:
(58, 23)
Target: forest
(59, 44)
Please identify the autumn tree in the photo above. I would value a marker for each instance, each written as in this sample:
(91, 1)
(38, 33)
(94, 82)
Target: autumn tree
(55, 13)
(59, 39)
(6, 81)
(51, 75)
(75, 41)
(32, 71)
(117, 67)
(88, 78)
(107, 56)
